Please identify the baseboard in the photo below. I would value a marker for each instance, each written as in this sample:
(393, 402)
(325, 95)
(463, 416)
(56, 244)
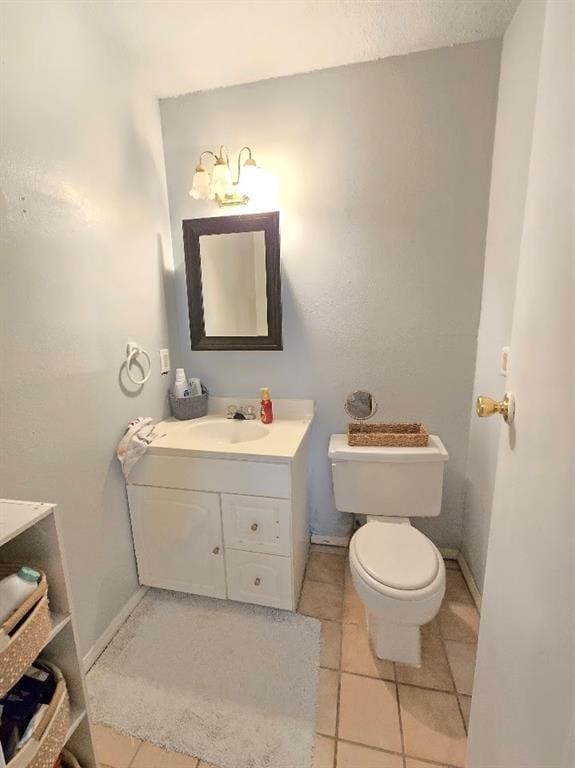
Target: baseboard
(456, 554)
(449, 554)
(332, 541)
(100, 645)
(468, 576)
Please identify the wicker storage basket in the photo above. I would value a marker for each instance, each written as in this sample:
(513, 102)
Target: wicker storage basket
(189, 407)
(48, 740)
(69, 761)
(24, 633)
(396, 435)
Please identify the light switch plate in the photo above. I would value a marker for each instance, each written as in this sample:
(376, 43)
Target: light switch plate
(164, 361)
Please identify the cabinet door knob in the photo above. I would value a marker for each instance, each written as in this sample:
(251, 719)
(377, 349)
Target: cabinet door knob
(216, 551)
(254, 526)
(257, 581)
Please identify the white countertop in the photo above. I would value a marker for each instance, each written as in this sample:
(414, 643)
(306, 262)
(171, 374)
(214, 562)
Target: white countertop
(283, 437)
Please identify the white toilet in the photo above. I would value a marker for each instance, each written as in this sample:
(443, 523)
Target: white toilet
(398, 572)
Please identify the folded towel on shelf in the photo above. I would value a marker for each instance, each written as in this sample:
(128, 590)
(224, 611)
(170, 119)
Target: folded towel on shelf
(133, 445)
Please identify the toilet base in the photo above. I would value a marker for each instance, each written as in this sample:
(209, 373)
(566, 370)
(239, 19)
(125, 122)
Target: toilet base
(394, 642)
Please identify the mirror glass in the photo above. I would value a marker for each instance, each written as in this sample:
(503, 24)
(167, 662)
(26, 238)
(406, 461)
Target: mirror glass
(360, 405)
(233, 279)
(233, 272)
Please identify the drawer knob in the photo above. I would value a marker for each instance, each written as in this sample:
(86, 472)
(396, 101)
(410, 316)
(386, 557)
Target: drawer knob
(257, 581)
(254, 526)
(216, 551)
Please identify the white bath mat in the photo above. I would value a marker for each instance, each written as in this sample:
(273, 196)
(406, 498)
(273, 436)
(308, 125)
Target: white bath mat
(231, 683)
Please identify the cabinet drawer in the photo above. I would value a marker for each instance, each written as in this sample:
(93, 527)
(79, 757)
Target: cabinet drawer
(214, 475)
(260, 579)
(256, 524)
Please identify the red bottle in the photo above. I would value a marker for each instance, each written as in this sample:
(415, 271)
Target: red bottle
(267, 411)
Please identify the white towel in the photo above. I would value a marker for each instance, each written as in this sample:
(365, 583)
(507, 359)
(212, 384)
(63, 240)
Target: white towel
(135, 442)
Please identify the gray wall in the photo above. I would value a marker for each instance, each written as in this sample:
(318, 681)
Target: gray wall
(511, 152)
(383, 170)
(84, 218)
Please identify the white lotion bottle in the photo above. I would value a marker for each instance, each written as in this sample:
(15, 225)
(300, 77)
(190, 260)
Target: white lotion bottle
(181, 387)
(14, 589)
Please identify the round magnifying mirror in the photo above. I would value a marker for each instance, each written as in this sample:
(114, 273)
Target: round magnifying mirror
(360, 405)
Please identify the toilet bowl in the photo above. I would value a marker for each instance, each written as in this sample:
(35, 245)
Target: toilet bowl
(399, 576)
(397, 571)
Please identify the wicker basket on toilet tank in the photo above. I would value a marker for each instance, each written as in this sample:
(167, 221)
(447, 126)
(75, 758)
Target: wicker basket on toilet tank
(395, 435)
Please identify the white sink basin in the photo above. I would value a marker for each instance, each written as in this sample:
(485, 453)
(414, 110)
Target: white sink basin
(230, 431)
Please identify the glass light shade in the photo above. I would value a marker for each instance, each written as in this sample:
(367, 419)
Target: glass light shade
(201, 189)
(221, 180)
(252, 181)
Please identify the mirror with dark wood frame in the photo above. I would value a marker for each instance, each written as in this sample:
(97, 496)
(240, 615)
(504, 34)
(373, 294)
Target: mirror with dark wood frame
(233, 281)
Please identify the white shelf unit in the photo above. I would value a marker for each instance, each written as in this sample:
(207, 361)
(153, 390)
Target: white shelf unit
(30, 534)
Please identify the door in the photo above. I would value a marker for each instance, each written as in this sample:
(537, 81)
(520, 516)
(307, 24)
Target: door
(178, 539)
(522, 712)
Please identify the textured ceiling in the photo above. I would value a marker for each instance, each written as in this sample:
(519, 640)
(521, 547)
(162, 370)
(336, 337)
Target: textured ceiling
(190, 45)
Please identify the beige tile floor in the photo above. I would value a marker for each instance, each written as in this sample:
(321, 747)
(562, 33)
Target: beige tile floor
(114, 750)
(375, 714)
(370, 714)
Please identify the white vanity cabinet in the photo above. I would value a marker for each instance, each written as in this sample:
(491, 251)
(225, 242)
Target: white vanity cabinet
(222, 527)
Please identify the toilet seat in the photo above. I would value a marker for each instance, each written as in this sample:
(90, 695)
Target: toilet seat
(396, 560)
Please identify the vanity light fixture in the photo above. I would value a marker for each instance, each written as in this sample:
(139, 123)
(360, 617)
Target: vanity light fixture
(220, 186)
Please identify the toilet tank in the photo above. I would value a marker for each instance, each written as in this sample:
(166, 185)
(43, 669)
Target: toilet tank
(391, 482)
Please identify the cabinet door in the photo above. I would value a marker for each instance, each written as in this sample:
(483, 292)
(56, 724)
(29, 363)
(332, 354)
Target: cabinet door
(261, 579)
(178, 539)
(257, 524)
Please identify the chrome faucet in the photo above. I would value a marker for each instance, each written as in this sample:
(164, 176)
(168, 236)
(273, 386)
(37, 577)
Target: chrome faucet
(241, 412)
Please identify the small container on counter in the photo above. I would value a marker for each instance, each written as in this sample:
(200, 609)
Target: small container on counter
(267, 411)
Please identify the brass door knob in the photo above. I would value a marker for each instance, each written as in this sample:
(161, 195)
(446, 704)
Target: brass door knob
(254, 526)
(487, 406)
(216, 551)
(257, 581)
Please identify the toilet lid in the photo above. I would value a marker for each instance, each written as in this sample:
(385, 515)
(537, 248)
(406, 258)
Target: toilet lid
(396, 555)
